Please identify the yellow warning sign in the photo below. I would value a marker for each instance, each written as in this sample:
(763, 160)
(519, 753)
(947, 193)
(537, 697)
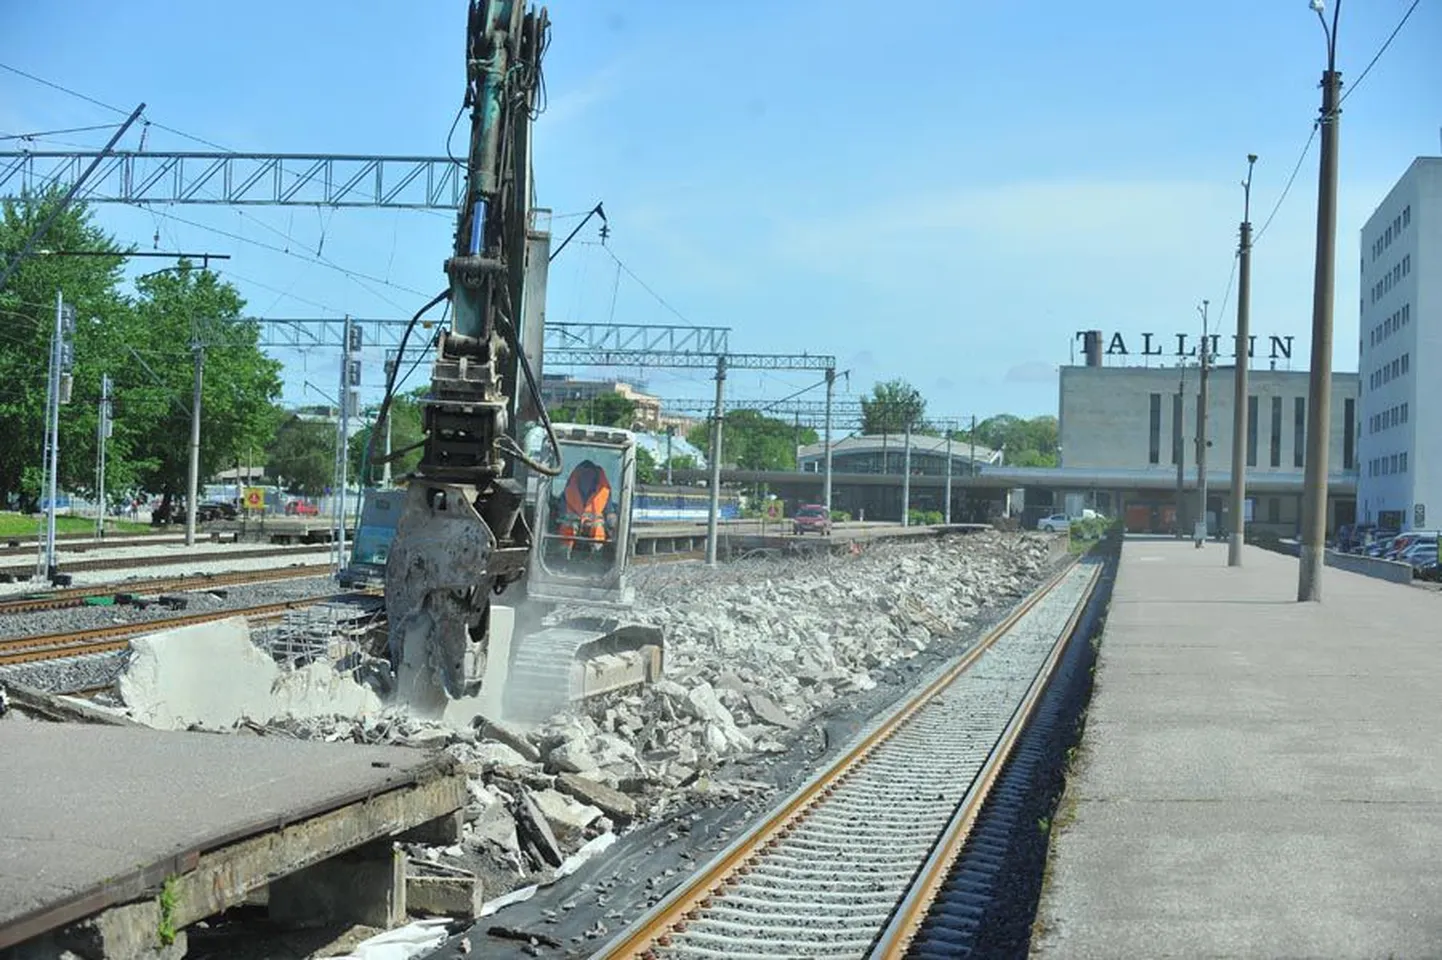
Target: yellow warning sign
(254, 498)
(775, 510)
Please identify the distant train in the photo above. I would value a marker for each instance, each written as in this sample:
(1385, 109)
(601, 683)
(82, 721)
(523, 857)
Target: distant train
(662, 504)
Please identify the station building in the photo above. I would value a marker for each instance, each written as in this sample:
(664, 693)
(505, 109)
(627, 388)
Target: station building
(1128, 435)
(1400, 335)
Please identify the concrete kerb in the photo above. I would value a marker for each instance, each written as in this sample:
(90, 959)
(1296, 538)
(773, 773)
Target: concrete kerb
(1392, 571)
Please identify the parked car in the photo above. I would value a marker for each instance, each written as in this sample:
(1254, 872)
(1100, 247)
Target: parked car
(301, 508)
(1420, 555)
(1056, 523)
(812, 517)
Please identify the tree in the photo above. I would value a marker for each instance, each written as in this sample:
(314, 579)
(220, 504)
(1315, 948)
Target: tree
(174, 311)
(645, 466)
(27, 320)
(405, 422)
(302, 455)
(604, 409)
(892, 406)
(1028, 443)
(753, 441)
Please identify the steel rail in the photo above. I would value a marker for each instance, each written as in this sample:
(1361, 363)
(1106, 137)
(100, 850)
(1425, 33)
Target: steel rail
(896, 937)
(687, 902)
(113, 637)
(162, 560)
(76, 596)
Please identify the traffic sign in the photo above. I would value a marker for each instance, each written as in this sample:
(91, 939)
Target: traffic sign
(775, 510)
(254, 498)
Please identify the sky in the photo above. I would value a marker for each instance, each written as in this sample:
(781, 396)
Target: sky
(946, 196)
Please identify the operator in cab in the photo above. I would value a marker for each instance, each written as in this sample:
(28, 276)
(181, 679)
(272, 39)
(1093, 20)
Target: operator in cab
(586, 511)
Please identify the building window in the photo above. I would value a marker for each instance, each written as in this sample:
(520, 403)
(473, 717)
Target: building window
(1176, 428)
(1394, 463)
(1299, 431)
(1404, 412)
(1406, 362)
(1276, 449)
(1406, 214)
(1349, 443)
(1402, 460)
(1274, 509)
(1251, 431)
(1154, 430)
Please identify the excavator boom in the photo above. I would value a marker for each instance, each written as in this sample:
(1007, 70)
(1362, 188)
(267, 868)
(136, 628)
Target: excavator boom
(462, 535)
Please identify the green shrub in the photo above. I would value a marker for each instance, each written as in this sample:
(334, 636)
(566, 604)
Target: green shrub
(924, 518)
(840, 516)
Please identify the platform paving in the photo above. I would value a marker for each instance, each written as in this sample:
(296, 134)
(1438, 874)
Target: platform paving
(95, 815)
(1258, 777)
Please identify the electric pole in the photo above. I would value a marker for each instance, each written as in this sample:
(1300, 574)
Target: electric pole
(717, 419)
(826, 439)
(192, 483)
(102, 433)
(350, 378)
(61, 358)
(1239, 391)
(1179, 445)
(946, 513)
(906, 478)
(670, 433)
(1319, 388)
(1199, 532)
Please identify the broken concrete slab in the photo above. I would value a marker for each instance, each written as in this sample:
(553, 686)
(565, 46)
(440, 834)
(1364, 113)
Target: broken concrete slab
(513, 737)
(568, 817)
(448, 896)
(169, 682)
(533, 828)
(767, 710)
(613, 803)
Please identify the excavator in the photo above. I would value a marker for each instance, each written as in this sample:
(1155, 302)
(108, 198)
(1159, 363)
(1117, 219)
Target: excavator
(503, 499)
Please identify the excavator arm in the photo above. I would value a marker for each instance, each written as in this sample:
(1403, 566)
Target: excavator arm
(462, 536)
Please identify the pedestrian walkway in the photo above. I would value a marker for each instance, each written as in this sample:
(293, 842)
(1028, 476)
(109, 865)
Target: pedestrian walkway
(1258, 777)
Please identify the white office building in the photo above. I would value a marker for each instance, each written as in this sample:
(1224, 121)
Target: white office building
(1399, 481)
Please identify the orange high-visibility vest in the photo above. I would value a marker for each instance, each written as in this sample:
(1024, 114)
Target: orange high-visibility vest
(587, 494)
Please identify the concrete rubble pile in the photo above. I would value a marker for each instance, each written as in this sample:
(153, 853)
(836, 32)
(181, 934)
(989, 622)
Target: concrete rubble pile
(753, 651)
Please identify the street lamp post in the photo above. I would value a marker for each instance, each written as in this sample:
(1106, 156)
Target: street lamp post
(1239, 392)
(1199, 531)
(1319, 389)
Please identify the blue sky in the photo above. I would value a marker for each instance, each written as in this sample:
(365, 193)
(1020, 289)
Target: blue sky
(946, 194)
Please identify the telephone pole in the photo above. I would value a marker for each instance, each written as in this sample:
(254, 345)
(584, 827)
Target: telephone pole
(1199, 531)
(1319, 387)
(1179, 445)
(1239, 392)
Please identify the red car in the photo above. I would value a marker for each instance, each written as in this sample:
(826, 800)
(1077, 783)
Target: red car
(811, 517)
(301, 508)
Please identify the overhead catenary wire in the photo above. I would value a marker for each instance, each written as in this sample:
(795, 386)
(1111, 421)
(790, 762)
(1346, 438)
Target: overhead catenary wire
(1378, 55)
(1296, 168)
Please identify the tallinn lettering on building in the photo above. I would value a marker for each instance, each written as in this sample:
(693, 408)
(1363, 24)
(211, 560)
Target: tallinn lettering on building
(1278, 348)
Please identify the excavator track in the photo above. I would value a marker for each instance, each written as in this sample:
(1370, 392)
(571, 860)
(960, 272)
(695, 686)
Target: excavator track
(556, 666)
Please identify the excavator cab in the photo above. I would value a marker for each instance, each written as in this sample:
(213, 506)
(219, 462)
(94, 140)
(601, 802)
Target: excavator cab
(582, 519)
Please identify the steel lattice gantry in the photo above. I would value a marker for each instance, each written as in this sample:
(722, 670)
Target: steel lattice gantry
(241, 179)
(809, 413)
(655, 344)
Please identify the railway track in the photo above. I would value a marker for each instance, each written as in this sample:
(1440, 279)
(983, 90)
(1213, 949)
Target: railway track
(77, 596)
(162, 560)
(72, 543)
(847, 866)
(115, 637)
